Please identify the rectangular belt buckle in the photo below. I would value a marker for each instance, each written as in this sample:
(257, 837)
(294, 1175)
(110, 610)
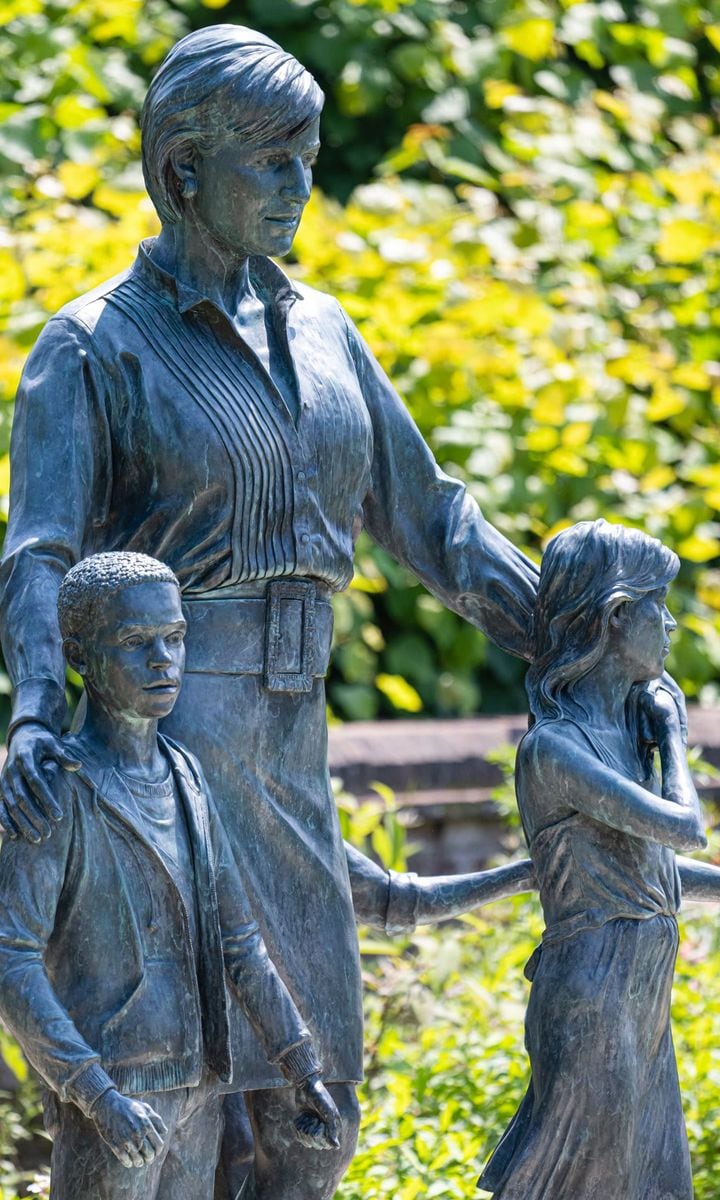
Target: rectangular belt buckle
(289, 636)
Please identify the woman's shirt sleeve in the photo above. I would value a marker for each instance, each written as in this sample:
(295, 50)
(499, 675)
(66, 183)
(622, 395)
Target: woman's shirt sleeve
(60, 481)
(427, 521)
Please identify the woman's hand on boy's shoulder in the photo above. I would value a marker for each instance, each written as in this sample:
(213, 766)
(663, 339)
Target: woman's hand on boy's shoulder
(28, 802)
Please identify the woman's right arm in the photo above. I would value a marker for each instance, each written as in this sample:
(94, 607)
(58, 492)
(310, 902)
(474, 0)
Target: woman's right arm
(577, 779)
(58, 453)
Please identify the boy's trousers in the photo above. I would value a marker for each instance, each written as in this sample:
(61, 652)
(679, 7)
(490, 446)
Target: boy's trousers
(83, 1167)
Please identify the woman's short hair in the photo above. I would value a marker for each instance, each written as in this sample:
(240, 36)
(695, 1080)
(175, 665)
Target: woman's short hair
(212, 72)
(587, 572)
(89, 583)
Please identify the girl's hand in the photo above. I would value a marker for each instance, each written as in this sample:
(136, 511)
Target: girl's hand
(661, 707)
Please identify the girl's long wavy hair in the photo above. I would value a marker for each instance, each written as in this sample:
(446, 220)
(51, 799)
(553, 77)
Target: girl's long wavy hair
(587, 572)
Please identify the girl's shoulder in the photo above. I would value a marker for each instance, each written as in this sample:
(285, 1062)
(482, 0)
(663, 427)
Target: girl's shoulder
(549, 741)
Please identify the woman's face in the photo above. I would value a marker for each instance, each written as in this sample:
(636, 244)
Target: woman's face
(643, 630)
(250, 199)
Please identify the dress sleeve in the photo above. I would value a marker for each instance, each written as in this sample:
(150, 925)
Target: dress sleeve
(427, 521)
(60, 482)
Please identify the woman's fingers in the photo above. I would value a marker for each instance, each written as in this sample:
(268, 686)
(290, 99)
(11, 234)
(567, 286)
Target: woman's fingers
(20, 803)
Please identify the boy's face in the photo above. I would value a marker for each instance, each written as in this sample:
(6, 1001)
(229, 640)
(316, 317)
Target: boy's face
(135, 658)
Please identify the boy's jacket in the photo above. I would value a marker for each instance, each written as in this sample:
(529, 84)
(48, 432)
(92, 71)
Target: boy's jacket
(96, 960)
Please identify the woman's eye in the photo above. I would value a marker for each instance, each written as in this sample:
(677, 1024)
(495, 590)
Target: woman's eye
(132, 643)
(175, 639)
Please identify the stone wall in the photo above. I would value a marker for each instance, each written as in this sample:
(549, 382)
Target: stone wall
(443, 781)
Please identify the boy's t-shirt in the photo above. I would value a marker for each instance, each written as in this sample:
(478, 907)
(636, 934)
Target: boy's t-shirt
(165, 826)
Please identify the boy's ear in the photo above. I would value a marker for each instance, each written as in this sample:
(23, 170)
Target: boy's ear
(75, 655)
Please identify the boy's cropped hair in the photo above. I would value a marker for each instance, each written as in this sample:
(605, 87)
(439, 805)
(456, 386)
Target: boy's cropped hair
(91, 581)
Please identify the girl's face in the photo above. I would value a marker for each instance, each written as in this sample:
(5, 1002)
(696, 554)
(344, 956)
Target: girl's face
(642, 630)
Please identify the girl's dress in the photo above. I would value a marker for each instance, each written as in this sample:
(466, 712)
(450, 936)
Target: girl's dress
(602, 1118)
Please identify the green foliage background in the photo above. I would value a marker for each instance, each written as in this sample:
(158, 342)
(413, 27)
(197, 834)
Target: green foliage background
(518, 203)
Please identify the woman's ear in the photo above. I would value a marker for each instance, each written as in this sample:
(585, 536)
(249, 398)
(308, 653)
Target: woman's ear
(619, 615)
(75, 655)
(184, 163)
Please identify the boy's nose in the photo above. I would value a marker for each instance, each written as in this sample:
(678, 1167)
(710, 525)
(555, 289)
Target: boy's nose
(159, 654)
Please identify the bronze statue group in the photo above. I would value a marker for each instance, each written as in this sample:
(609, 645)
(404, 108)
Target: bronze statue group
(197, 444)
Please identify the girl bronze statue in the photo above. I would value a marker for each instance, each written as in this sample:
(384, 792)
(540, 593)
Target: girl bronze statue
(602, 1116)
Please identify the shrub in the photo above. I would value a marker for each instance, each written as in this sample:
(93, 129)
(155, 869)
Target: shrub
(545, 299)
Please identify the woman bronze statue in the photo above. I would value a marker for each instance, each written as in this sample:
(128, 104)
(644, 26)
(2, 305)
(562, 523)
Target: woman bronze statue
(204, 409)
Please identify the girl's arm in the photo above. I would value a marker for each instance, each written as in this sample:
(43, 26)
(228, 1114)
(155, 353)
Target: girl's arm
(569, 772)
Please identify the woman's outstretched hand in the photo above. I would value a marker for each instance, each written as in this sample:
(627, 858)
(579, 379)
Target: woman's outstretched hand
(28, 808)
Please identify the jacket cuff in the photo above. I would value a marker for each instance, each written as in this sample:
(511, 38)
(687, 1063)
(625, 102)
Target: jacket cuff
(88, 1086)
(41, 700)
(300, 1062)
(403, 896)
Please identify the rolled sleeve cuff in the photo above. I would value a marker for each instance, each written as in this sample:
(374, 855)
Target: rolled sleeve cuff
(299, 1063)
(401, 916)
(41, 700)
(88, 1086)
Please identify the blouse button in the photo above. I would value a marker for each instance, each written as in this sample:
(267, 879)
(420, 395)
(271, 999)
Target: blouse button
(301, 476)
(305, 539)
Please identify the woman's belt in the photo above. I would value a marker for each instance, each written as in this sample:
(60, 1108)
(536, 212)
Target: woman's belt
(285, 635)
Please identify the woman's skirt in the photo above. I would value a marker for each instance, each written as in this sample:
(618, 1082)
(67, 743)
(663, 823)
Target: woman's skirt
(602, 1118)
(264, 755)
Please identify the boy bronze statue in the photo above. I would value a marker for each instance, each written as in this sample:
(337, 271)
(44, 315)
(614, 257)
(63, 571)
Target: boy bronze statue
(118, 938)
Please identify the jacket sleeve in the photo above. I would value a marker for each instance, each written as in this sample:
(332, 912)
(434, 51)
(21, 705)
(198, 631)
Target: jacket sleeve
(31, 883)
(263, 996)
(60, 473)
(385, 900)
(428, 522)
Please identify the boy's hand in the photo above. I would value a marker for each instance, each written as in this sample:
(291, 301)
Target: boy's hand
(133, 1130)
(318, 1126)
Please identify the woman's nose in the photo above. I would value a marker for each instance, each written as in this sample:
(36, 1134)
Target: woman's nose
(298, 183)
(669, 621)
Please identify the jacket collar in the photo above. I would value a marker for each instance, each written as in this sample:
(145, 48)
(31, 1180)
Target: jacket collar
(263, 271)
(114, 794)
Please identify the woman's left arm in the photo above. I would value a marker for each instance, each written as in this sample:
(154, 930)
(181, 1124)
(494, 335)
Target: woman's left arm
(427, 521)
(700, 880)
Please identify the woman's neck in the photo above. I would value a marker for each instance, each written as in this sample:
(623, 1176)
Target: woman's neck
(190, 254)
